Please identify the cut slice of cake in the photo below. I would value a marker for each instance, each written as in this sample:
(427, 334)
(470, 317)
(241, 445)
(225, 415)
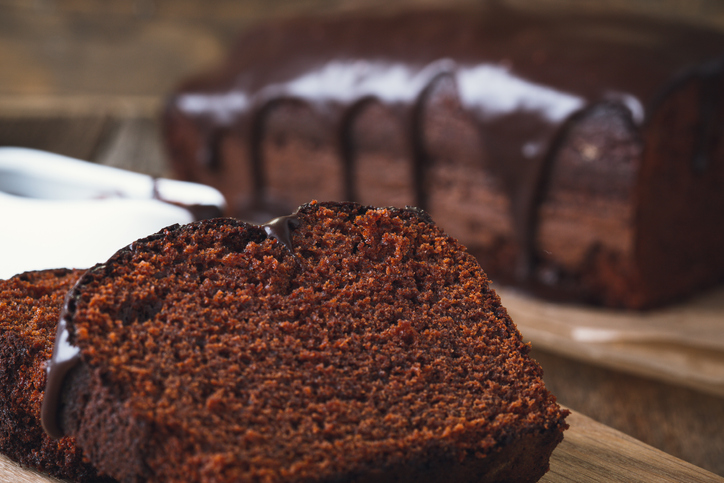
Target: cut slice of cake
(30, 304)
(341, 343)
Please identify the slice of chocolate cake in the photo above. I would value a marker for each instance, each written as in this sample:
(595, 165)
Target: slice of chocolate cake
(342, 343)
(30, 304)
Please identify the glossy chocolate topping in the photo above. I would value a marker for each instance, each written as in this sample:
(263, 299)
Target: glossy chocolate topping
(519, 77)
(281, 227)
(65, 357)
(197, 211)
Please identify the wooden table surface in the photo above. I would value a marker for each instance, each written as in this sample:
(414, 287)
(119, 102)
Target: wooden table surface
(657, 375)
(590, 452)
(145, 47)
(682, 344)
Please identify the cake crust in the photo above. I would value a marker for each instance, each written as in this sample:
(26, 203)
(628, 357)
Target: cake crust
(371, 348)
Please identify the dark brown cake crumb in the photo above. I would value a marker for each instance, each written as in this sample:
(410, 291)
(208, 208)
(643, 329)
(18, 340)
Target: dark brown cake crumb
(374, 351)
(30, 304)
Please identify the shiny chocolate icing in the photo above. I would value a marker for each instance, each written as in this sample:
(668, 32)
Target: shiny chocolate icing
(196, 210)
(65, 357)
(280, 228)
(521, 79)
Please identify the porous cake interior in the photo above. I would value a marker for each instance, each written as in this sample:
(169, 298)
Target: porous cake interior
(29, 307)
(376, 341)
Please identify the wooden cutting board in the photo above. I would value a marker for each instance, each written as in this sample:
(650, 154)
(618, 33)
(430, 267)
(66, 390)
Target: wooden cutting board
(590, 452)
(682, 344)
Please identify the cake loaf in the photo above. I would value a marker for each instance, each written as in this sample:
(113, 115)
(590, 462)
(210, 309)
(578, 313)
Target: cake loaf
(30, 305)
(342, 343)
(578, 156)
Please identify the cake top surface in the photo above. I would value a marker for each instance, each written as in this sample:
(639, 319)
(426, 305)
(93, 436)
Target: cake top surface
(503, 60)
(375, 339)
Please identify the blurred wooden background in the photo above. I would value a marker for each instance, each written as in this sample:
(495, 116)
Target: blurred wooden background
(87, 79)
(141, 48)
(108, 64)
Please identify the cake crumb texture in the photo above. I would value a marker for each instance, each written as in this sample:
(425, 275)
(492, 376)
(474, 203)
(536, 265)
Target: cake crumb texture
(30, 304)
(374, 350)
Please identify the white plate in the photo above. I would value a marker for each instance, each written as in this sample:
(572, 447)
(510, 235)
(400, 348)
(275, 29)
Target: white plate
(57, 211)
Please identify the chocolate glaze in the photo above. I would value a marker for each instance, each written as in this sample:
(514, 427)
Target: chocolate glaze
(281, 227)
(710, 100)
(65, 357)
(198, 211)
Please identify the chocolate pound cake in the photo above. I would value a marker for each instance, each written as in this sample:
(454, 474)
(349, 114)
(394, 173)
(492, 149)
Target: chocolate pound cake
(342, 343)
(30, 304)
(578, 156)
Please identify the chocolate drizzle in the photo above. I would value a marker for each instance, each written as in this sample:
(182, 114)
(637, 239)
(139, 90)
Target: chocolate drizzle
(65, 357)
(710, 98)
(520, 78)
(281, 229)
(197, 211)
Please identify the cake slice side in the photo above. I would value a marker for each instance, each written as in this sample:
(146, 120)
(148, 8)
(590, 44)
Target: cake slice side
(344, 343)
(30, 304)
